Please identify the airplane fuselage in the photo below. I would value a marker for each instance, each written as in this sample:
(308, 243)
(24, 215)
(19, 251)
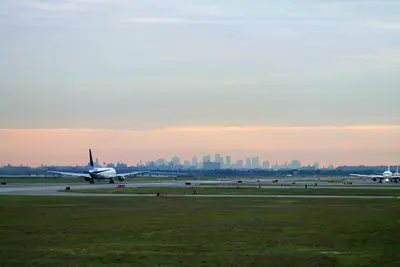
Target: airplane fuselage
(387, 174)
(102, 173)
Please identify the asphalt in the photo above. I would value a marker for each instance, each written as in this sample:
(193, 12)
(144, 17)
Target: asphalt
(51, 189)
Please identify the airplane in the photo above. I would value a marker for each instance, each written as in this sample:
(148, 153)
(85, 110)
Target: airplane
(387, 176)
(96, 173)
(397, 174)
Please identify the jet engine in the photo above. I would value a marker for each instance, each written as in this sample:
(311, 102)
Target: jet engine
(121, 178)
(87, 179)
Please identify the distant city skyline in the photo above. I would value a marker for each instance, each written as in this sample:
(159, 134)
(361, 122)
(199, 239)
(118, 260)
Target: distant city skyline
(219, 162)
(137, 80)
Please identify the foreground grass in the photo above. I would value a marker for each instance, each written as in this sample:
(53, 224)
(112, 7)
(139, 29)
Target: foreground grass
(79, 231)
(233, 191)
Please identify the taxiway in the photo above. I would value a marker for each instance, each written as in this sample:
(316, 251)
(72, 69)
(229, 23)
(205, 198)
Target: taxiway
(53, 189)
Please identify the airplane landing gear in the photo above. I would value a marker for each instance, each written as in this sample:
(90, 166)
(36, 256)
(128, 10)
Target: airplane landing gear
(91, 181)
(111, 181)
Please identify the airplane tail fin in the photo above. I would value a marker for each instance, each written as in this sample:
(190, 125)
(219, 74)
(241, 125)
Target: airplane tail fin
(389, 168)
(91, 158)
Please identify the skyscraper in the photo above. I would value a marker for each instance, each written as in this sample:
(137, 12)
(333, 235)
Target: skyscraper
(239, 164)
(186, 164)
(206, 158)
(161, 162)
(228, 161)
(176, 161)
(194, 161)
(218, 158)
(316, 165)
(295, 164)
(255, 161)
(266, 164)
(248, 163)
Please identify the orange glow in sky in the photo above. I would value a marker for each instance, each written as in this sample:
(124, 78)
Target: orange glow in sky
(339, 145)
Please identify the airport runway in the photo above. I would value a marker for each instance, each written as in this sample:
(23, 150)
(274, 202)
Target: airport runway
(51, 189)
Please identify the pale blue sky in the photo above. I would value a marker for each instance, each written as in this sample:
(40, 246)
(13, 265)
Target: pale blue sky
(150, 64)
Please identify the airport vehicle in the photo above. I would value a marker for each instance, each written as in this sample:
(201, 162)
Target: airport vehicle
(386, 177)
(96, 173)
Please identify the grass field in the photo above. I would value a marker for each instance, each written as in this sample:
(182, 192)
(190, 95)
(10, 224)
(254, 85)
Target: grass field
(79, 231)
(258, 191)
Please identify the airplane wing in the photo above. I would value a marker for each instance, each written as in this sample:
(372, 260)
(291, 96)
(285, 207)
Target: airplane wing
(86, 175)
(132, 173)
(367, 175)
(143, 172)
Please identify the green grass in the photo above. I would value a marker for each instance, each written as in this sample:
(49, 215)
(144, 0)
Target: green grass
(260, 191)
(79, 231)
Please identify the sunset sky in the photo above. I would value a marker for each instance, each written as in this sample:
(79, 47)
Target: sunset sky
(140, 80)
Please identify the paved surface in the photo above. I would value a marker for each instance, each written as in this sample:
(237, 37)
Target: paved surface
(50, 189)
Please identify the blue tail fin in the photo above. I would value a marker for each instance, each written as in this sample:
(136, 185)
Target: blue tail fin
(91, 159)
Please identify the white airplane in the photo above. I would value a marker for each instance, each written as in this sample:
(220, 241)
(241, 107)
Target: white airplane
(96, 173)
(386, 177)
(397, 174)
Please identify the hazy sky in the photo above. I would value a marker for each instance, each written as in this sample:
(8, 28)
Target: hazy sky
(133, 70)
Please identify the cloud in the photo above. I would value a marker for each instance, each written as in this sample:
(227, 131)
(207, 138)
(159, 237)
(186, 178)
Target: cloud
(279, 128)
(221, 129)
(385, 57)
(66, 5)
(53, 6)
(152, 20)
(212, 10)
(51, 12)
(383, 25)
(81, 89)
(177, 20)
(282, 55)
